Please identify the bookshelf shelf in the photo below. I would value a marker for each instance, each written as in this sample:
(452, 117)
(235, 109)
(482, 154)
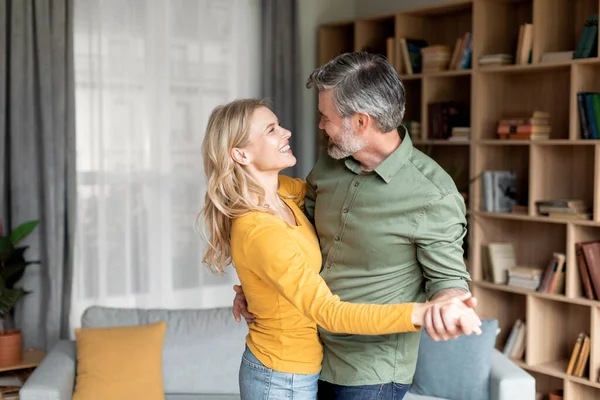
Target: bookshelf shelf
(565, 142)
(552, 142)
(536, 218)
(441, 74)
(564, 166)
(526, 68)
(441, 142)
(499, 142)
(532, 68)
(557, 369)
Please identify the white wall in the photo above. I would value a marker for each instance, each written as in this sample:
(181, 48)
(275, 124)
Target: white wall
(312, 13)
(366, 8)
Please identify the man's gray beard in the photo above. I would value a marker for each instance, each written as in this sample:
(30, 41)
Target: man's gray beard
(348, 144)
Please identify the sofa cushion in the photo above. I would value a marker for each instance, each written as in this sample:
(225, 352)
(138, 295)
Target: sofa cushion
(202, 397)
(458, 369)
(412, 396)
(202, 348)
(120, 362)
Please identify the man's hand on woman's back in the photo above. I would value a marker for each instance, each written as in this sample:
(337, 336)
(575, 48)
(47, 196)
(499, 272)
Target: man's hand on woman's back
(240, 306)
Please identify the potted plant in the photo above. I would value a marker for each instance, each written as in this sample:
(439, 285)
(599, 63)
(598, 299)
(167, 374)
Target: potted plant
(12, 268)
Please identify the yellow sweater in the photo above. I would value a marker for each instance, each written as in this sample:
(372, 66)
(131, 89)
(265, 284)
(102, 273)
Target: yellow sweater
(278, 265)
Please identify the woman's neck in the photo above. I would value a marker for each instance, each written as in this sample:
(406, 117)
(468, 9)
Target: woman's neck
(270, 184)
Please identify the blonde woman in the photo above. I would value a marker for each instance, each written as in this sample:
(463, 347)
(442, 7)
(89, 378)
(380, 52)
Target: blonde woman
(255, 221)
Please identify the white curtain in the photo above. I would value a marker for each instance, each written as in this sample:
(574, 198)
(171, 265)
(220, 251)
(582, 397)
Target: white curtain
(148, 74)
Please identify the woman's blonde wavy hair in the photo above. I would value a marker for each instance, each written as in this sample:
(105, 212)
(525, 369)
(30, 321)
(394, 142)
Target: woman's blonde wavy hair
(231, 191)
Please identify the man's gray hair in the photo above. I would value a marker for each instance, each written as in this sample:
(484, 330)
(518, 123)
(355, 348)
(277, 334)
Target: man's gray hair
(363, 82)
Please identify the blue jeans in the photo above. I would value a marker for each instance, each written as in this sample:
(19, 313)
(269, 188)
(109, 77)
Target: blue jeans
(258, 382)
(387, 391)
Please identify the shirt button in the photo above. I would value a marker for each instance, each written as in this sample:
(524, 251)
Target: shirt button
(345, 210)
(356, 184)
(336, 238)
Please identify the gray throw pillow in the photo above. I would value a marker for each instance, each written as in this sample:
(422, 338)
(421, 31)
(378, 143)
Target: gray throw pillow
(458, 369)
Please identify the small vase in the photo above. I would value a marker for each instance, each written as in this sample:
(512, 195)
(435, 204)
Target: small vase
(11, 348)
(556, 394)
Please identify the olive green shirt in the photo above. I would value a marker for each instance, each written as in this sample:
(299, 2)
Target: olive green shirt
(391, 235)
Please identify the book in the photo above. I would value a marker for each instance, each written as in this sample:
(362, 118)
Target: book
(512, 338)
(584, 273)
(410, 49)
(582, 358)
(501, 258)
(591, 254)
(575, 354)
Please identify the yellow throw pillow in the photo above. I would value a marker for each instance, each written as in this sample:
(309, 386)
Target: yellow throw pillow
(120, 363)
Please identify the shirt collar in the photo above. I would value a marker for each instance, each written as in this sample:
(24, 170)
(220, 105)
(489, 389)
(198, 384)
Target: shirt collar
(392, 164)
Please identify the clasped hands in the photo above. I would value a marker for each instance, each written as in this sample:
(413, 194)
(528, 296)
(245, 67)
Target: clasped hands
(444, 318)
(448, 317)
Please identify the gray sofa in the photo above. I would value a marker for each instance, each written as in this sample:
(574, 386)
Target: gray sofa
(201, 357)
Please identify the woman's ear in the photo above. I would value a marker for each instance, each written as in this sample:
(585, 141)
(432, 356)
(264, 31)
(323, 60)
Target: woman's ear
(240, 156)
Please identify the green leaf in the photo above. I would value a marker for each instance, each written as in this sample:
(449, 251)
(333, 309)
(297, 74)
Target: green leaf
(22, 231)
(17, 256)
(9, 298)
(12, 273)
(6, 248)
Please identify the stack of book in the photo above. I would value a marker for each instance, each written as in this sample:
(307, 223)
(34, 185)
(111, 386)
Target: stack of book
(460, 134)
(528, 278)
(554, 277)
(413, 128)
(524, 126)
(580, 356)
(564, 208)
(557, 56)
(515, 344)
(435, 58)
(495, 60)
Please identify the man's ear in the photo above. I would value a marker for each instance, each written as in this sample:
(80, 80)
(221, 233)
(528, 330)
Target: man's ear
(361, 122)
(240, 156)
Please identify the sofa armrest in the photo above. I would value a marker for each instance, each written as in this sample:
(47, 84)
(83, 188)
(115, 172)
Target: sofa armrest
(508, 381)
(54, 378)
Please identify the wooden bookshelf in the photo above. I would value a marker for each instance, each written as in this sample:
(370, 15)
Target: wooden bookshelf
(563, 166)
